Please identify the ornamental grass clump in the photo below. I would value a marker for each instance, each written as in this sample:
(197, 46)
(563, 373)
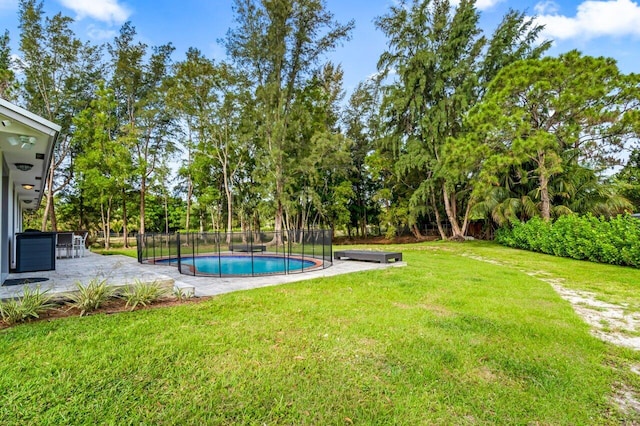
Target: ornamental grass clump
(32, 303)
(90, 297)
(181, 294)
(143, 294)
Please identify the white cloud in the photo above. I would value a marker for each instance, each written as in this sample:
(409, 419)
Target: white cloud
(480, 4)
(102, 10)
(593, 19)
(548, 7)
(486, 4)
(96, 33)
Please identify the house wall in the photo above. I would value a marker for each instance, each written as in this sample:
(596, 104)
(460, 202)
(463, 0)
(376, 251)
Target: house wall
(18, 121)
(15, 221)
(6, 205)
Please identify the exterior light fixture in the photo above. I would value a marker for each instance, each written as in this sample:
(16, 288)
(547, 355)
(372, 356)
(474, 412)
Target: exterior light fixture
(26, 141)
(25, 167)
(28, 186)
(27, 201)
(6, 123)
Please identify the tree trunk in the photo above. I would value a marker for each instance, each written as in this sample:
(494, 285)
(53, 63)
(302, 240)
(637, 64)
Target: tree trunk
(52, 215)
(279, 217)
(82, 221)
(106, 219)
(450, 209)
(189, 195)
(166, 214)
(49, 203)
(143, 191)
(125, 231)
(227, 192)
(465, 223)
(107, 240)
(416, 232)
(364, 220)
(545, 207)
(104, 223)
(434, 206)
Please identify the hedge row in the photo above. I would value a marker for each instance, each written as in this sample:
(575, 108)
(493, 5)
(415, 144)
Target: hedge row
(615, 241)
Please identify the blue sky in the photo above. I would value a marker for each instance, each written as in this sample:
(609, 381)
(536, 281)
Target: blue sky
(595, 27)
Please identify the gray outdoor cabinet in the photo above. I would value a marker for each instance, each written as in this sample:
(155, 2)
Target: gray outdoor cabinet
(35, 251)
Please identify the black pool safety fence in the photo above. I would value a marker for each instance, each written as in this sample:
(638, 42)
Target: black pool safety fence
(222, 254)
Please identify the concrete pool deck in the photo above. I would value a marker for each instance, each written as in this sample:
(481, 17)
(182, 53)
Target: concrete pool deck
(122, 270)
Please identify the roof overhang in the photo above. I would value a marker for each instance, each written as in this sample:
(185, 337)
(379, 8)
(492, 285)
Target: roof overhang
(27, 139)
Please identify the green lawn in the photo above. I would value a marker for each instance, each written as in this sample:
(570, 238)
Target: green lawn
(446, 340)
(131, 252)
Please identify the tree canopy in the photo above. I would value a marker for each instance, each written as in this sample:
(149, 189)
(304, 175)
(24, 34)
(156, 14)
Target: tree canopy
(458, 126)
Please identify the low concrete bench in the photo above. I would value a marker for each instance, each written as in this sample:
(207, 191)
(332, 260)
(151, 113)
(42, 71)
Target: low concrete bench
(242, 247)
(368, 255)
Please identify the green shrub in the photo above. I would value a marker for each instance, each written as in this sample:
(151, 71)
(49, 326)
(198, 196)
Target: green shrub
(90, 297)
(615, 241)
(30, 305)
(143, 294)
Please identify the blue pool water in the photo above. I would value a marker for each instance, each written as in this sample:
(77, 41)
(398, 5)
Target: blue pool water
(242, 265)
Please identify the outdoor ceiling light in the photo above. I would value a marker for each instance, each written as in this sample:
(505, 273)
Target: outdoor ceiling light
(6, 123)
(25, 167)
(28, 186)
(27, 201)
(26, 141)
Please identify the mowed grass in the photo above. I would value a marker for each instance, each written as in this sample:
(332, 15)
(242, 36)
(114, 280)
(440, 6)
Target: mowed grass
(131, 252)
(609, 283)
(445, 340)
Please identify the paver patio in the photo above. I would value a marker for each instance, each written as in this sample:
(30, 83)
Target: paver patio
(122, 270)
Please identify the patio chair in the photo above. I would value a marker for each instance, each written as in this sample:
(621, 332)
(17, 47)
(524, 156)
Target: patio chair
(64, 244)
(79, 244)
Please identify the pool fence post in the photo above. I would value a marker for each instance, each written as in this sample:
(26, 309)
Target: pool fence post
(193, 252)
(253, 273)
(330, 245)
(284, 255)
(289, 250)
(323, 254)
(302, 237)
(178, 251)
(314, 242)
(219, 245)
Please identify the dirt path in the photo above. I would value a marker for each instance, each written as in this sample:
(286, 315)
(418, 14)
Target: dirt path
(609, 322)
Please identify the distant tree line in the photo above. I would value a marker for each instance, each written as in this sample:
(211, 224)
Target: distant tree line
(457, 127)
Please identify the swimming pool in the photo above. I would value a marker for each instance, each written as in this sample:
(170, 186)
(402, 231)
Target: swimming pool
(249, 253)
(243, 265)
